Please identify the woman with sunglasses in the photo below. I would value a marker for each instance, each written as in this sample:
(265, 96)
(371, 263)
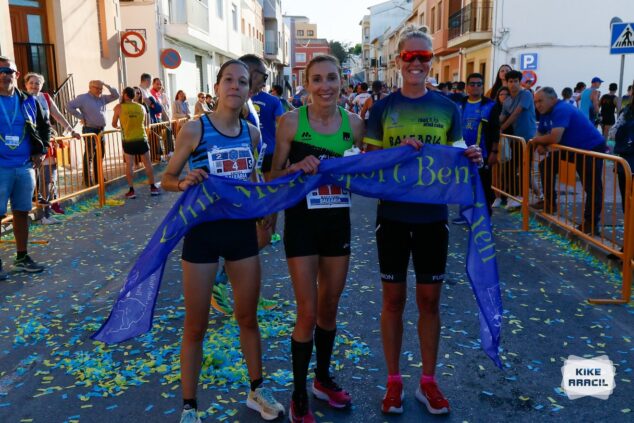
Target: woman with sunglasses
(316, 230)
(207, 144)
(413, 116)
(200, 108)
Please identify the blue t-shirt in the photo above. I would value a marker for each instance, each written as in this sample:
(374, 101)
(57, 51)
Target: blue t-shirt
(269, 108)
(431, 119)
(15, 143)
(579, 132)
(525, 124)
(473, 116)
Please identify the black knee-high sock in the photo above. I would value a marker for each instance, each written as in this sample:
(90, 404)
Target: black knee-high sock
(324, 342)
(301, 353)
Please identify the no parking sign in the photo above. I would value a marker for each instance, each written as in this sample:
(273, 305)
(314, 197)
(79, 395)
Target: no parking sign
(170, 58)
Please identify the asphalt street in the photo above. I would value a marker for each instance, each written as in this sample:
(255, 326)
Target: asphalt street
(50, 371)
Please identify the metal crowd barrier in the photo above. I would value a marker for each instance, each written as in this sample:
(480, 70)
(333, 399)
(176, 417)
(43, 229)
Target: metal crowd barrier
(577, 190)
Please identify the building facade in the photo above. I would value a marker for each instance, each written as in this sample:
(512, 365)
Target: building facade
(277, 41)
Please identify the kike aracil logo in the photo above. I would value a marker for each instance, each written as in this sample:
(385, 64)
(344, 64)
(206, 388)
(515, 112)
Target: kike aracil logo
(592, 377)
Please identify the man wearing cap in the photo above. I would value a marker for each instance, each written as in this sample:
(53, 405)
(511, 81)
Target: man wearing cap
(24, 139)
(589, 103)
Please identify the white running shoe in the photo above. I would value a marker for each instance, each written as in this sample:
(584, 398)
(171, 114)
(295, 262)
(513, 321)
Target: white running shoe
(512, 204)
(190, 415)
(262, 401)
(49, 221)
(496, 203)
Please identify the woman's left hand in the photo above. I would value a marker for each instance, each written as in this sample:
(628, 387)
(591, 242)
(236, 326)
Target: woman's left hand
(474, 153)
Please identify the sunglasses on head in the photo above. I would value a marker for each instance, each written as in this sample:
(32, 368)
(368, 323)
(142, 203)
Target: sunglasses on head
(7, 71)
(421, 55)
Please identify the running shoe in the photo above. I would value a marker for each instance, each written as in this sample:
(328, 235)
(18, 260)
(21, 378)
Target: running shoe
(275, 238)
(434, 400)
(265, 304)
(130, 194)
(57, 209)
(154, 191)
(328, 390)
(460, 221)
(512, 204)
(262, 401)
(190, 415)
(220, 299)
(299, 411)
(496, 203)
(393, 400)
(26, 264)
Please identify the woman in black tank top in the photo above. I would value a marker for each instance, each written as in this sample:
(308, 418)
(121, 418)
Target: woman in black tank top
(235, 240)
(317, 241)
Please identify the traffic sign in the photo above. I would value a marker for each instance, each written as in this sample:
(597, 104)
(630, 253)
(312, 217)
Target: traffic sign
(170, 58)
(528, 61)
(622, 39)
(132, 44)
(529, 78)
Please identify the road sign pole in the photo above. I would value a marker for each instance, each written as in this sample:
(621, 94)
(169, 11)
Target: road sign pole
(621, 77)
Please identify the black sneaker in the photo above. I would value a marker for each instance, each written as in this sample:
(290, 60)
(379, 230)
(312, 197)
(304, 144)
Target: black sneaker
(26, 264)
(3, 275)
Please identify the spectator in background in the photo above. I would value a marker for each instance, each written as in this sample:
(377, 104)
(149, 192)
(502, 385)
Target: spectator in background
(90, 109)
(25, 139)
(47, 176)
(377, 94)
(297, 100)
(518, 115)
(500, 81)
(361, 97)
(626, 99)
(457, 95)
(443, 87)
(157, 94)
(562, 124)
(566, 96)
(278, 92)
(589, 101)
(576, 95)
(607, 105)
(200, 108)
(134, 138)
(502, 95)
(181, 106)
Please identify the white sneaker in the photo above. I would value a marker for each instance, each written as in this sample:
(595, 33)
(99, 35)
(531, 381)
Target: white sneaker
(512, 204)
(497, 203)
(190, 415)
(49, 221)
(262, 400)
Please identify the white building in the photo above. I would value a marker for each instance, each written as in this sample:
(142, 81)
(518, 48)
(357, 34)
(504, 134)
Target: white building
(571, 39)
(206, 33)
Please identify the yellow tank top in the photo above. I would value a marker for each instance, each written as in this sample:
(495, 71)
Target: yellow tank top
(131, 117)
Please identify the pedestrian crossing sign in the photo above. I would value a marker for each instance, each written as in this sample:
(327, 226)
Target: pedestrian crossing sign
(622, 39)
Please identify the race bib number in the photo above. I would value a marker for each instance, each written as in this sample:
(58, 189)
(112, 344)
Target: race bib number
(234, 162)
(12, 141)
(327, 197)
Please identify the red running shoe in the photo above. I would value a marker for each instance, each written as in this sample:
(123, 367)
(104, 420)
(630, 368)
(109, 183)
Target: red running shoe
(299, 411)
(328, 390)
(434, 400)
(57, 209)
(130, 194)
(393, 400)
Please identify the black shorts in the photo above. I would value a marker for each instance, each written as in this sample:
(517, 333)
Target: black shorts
(427, 243)
(135, 147)
(323, 233)
(267, 162)
(232, 239)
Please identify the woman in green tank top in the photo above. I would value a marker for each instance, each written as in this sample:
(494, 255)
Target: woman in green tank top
(317, 231)
(132, 118)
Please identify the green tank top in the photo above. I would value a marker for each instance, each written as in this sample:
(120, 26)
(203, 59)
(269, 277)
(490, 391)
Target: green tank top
(131, 117)
(335, 144)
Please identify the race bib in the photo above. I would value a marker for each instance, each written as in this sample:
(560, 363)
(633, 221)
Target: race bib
(232, 162)
(327, 197)
(12, 141)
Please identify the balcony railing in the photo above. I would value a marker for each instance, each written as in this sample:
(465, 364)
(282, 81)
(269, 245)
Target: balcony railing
(475, 17)
(192, 12)
(40, 58)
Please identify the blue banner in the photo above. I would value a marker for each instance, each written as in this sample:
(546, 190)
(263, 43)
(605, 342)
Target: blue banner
(435, 174)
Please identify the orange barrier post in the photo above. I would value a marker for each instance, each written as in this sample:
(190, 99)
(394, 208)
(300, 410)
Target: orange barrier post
(102, 186)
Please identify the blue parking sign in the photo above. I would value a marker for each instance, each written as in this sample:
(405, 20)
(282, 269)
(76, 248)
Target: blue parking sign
(622, 39)
(528, 61)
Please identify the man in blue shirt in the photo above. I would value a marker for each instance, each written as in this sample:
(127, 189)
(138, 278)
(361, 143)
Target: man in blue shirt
(24, 138)
(563, 124)
(481, 128)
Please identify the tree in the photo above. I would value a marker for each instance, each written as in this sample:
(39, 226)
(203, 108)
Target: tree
(338, 50)
(356, 50)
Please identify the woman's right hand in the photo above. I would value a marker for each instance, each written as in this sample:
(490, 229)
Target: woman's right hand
(194, 177)
(309, 165)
